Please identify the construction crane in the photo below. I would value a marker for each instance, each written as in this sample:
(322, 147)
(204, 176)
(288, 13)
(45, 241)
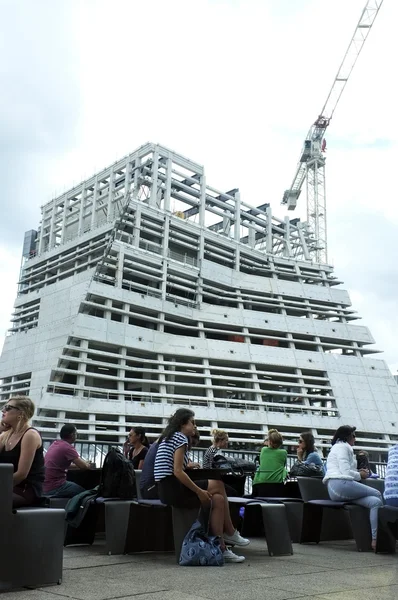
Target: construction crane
(311, 165)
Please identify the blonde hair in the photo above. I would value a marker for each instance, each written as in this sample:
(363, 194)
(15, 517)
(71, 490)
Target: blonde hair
(275, 438)
(26, 409)
(219, 435)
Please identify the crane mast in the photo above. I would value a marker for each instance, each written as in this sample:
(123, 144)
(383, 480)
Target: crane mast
(311, 164)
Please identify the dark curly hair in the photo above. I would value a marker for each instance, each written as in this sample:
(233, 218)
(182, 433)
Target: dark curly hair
(176, 421)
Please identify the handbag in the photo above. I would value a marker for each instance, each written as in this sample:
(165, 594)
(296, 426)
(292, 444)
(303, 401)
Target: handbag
(300, 469)
(237, 466)
(199, 549)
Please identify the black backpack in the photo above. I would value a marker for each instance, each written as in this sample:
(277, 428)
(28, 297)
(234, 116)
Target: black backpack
(117, 477)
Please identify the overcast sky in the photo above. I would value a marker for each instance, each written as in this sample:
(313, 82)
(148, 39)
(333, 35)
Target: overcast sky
(233, 85)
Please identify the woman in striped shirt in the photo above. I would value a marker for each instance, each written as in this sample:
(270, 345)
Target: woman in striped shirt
(176, 488)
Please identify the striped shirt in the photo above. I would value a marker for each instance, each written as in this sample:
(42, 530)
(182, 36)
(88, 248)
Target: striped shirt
(164, 462)
(208, 457)
(391, 480)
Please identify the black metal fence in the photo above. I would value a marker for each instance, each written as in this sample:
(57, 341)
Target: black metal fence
(96, 452)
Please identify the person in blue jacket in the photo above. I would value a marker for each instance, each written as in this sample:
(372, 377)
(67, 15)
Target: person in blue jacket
(306, 451)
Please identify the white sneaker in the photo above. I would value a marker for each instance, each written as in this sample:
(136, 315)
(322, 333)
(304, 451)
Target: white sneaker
(229, 556)
(236, 539)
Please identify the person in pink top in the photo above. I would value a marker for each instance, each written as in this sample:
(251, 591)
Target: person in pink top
(59, 457)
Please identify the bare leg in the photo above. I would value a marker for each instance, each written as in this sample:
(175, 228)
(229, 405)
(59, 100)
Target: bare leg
(217, 517)
(217, 487)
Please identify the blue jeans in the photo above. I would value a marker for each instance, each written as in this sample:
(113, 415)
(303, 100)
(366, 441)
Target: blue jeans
(344, 490)
(66, 490)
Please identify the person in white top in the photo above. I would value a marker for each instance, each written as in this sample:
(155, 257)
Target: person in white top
(342, 477)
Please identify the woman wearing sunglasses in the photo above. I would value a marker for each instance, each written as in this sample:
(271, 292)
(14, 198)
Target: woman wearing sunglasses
(306, 451)
(342, 477)
(21, 446)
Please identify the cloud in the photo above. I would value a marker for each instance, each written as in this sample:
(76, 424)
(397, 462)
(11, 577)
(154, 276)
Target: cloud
(232, 84)
(365, 255)
(39, 107)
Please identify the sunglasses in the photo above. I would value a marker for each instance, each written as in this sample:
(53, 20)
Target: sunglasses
(300, 441)
(9, 407)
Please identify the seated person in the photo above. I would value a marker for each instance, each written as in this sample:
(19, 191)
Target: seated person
(138, 447)
(272, 462)
(343, 478)
(220, 442)
(306, 451)
(148, 487)
(391, 479)
(21, 446)
(177, 489)
(363, 463)
(59, 457)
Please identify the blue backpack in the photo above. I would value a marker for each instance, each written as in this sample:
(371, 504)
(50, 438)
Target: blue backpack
(199, 549)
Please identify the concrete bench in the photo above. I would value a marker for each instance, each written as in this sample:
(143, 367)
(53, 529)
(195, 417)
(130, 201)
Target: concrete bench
(318, 508)
(150, 527)
(294, 514)
(269, 519)
(26, 530)
(104, 515)
(387, 532)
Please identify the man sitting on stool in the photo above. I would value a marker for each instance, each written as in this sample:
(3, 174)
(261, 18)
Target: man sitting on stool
(57, 461)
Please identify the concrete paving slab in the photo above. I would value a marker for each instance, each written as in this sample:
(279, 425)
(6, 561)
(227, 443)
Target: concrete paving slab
(94, 560)
(380, 593)
(42, 594)
(329, 571)
(86, 584)
(337, 580)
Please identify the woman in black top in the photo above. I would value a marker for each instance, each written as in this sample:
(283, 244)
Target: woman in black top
(138, 447)
(21, 446)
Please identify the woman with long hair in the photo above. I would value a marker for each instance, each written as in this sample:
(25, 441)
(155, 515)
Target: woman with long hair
(176, 488)
(138, 447)
(273, 458)
(220, 442)
(342, 477)
(21, 446)
(306, 451)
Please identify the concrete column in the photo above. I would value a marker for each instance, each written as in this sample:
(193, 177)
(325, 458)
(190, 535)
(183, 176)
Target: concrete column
(154, 188)
(119, 267)
(167, 193)
(202, 205)
(237, 230)
(163, 390)
(91, 427)
(81, 214)
(52, 222)
(122, 429)
(110, 206)
(64, 218)
(94, 204)
(136, 229)
(208, 384)
(82, 364)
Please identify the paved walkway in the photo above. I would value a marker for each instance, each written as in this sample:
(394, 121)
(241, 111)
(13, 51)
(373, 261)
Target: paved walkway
(330, 571)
